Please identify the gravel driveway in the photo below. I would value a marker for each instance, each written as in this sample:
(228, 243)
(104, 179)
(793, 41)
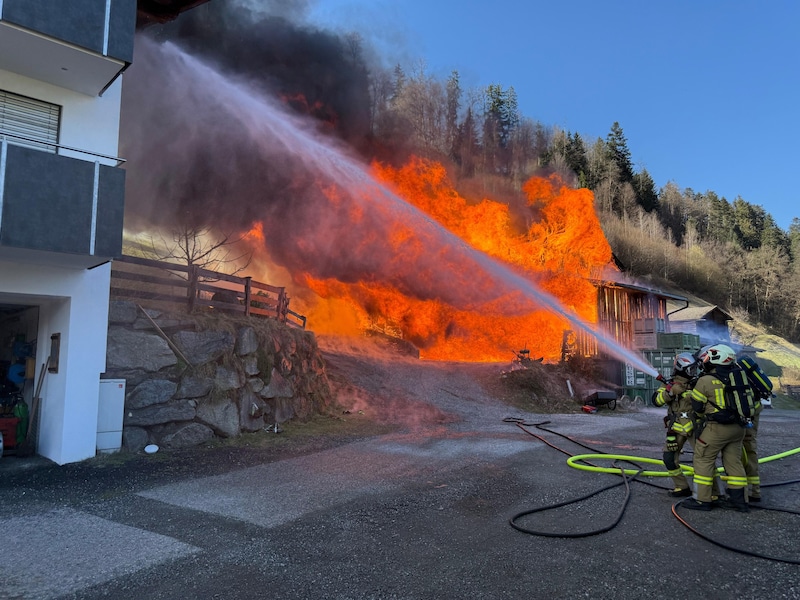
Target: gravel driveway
(420, 511)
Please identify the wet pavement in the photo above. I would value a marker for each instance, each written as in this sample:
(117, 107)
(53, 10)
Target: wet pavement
(420, 513)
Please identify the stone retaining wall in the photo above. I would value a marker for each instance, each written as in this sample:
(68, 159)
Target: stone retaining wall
(200, 376)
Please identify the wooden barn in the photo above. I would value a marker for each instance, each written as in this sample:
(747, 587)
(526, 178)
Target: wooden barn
(708, 322)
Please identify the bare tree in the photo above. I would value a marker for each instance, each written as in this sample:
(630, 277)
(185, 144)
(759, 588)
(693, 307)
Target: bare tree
(196, 246)
(422, 102)
(626, 197)
(381, 87)
(768, 268)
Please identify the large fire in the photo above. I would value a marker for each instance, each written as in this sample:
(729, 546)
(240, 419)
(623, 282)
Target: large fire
(561, 249)
(457, 276)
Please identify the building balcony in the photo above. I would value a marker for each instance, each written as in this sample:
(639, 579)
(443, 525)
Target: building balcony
(81, 45)
(59, 205)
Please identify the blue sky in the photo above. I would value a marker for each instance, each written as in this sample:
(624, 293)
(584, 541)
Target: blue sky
(707, 92)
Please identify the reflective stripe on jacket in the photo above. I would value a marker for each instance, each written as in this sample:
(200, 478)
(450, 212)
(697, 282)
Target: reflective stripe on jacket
(708, 395)
(683, 426)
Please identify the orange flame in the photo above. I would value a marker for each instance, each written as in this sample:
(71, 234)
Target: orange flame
(256, 234)
(317, 108)
(560, 250)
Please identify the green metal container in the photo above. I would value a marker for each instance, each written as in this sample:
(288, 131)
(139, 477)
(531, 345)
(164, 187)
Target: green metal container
(682, 342)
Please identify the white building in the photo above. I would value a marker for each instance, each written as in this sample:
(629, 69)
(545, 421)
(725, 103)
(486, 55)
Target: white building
(62, 201)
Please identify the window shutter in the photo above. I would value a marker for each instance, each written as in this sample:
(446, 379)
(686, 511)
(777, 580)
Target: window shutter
(29, 122)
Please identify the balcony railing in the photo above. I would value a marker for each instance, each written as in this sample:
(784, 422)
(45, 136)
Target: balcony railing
(61, 149)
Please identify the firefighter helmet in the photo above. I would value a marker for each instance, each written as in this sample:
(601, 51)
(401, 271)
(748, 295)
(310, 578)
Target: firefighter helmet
(685, 364)
(718, 355)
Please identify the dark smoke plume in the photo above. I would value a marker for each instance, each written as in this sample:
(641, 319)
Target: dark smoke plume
(208, 150)
(317, 72)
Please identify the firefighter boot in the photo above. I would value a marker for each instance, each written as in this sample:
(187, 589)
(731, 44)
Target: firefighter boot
(693, 504)
(754, 495)
(736, 500)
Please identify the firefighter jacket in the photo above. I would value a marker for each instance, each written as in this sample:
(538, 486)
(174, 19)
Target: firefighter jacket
(678, 400)
(708, 396)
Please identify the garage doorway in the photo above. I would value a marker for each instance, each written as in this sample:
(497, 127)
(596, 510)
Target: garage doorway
(19, 325)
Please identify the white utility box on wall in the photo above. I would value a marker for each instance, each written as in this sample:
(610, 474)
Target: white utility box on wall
(110, 410)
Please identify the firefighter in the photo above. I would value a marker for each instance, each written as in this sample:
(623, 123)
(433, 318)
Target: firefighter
(677, 397)
(762, 388)
(716, 433)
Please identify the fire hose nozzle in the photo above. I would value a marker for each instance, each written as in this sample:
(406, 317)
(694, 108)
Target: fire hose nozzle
(667, 383)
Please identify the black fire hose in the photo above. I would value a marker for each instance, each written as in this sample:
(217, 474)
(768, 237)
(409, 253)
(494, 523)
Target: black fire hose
(522, 425)
(626, 478)
(625, 481)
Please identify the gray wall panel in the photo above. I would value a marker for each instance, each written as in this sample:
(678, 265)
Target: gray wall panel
(122, 26)
(110, 209)
(47, 202)
(79, 22)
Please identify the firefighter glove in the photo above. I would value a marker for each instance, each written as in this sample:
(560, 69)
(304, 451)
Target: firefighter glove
(672, 443)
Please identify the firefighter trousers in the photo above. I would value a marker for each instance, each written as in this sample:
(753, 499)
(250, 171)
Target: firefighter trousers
(679, 480)
(718, 439)
(751, 462)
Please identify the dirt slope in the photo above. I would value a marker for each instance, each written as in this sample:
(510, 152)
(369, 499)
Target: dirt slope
(378, 379)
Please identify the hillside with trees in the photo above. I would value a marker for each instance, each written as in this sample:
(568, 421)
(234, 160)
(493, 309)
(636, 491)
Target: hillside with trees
(731, 253)
(728, 251)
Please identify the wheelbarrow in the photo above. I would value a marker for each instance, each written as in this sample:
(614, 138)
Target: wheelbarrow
(598, 399)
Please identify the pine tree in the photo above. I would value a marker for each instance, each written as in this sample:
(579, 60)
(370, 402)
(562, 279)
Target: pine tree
(399, 82)
(773, 236)
(512, 117)
(720, 225)
(645, 189)
(501, 111)
(794, 242)
(466, 147)
(619, 152)
(575, 154)
(453, 99)
(748, 223)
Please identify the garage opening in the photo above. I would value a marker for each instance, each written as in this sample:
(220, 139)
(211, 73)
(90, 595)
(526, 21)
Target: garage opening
(19, 324)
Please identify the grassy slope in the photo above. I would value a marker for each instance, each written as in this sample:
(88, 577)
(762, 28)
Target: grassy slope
(779, 359)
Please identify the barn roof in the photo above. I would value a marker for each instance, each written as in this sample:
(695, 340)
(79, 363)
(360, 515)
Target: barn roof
(701, 313)
(637, 289)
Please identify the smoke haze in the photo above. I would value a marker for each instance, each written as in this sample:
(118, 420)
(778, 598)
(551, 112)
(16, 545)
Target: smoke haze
(209, 151)
(216, 141)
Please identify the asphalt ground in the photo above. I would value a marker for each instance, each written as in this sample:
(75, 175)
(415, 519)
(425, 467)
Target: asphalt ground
(420, 512)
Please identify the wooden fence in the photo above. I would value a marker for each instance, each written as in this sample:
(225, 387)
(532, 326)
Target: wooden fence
(193, 288)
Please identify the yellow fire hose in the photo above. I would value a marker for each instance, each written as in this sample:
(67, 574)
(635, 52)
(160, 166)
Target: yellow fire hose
(575, 463)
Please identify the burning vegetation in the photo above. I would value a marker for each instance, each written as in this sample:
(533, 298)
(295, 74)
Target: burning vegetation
(560, 250)
(391, 246)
